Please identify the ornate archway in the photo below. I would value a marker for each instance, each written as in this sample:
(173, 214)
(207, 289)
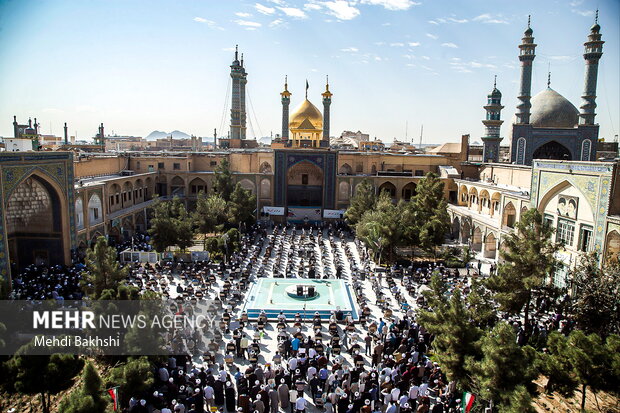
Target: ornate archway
(304, 184)
(34, 223)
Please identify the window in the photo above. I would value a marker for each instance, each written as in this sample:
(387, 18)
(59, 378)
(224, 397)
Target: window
(176, 166)
(566, 232)
(151, 168)
(304, 179)
(419, 172)
(549, 219)
(160, 165)
(585, 236)
(138, 165)
(213, 163)
(96, 213)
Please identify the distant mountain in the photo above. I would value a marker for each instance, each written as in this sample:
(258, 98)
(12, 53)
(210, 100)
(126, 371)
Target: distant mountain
(176, 134)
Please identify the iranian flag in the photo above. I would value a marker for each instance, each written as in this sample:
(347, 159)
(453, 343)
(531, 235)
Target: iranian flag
(114, 395)
(468, 401)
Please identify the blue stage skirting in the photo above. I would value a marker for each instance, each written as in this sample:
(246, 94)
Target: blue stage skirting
(290, 314)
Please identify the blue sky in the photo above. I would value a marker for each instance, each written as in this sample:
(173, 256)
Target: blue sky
(140, 66)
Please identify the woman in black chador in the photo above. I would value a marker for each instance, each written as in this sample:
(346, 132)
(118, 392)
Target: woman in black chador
(218, 392)
(231, 397)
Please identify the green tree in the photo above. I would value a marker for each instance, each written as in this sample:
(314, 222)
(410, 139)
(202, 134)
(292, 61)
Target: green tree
(588, 357)
(363, 200)
(456, 338)
(103, 270)
(134, 378)
(87, 399)
(241, 206)
(527, 260)
(481, 306)
(504, 370)
(210, 214)
(162, 225)
(43, 375)
(171, 225)
(381, 228)
(431, 212)
(556, 365)
(223, 184)
(184, 227)
(596, 298)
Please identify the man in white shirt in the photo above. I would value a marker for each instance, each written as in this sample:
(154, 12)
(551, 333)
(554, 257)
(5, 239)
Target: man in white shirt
(208, 396)
(300, 404)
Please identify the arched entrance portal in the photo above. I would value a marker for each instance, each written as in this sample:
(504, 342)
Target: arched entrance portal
(490, 246)
(476, 244)
(34, 224)
(552, 150)
(456, 228)
(466, 232)
(305, 185)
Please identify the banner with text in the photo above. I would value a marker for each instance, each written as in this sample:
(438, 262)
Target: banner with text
(129, 327)
(276, 211)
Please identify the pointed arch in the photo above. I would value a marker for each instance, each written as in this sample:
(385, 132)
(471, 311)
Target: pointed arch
(388, 187)
(490, 246)
(409, 191)
(248, 185)
(79, 213)
(465, 232)
(345, 169)
(476, 242)
(509, 215)
(35, 205)
(456, 227)
(265, 168)
(612, 246)
(197, 185)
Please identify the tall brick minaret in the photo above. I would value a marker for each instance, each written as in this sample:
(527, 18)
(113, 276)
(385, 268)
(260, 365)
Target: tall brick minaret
(286, 101)
(527, 50)
(327, 101)
(237, 109)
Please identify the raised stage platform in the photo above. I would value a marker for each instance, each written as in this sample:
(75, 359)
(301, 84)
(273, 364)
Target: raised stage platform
(279, 294)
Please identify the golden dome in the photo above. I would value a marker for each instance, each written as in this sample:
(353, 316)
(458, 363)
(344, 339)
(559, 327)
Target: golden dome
(306, 116)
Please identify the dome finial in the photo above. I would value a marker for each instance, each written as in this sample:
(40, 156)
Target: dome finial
(596, 17)
(529, 20)
(495, 82)
(549, 76)
(307, 89)
(285, 82)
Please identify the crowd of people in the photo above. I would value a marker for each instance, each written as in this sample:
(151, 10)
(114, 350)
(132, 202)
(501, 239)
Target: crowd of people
(378, 362)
